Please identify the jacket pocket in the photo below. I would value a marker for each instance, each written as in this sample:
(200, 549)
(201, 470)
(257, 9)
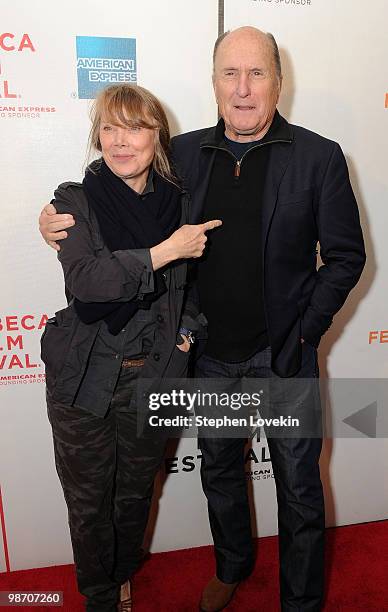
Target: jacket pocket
(55, 343)
(298, 197)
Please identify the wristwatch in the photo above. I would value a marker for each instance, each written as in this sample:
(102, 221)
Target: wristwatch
(188, 333)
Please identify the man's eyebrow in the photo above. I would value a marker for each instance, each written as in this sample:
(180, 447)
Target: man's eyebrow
(250, 69)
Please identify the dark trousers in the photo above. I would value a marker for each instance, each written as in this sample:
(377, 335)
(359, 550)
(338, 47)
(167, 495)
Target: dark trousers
(107, 476)
(299, 495)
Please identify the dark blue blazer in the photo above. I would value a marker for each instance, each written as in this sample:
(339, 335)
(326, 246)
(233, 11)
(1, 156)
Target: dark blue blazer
(308, 199)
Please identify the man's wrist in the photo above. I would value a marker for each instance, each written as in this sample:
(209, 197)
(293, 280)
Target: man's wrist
(184, 331)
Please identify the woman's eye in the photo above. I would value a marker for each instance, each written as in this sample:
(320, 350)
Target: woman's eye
(107, 128)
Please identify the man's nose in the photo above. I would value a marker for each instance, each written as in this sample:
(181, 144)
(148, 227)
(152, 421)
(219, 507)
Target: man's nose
(243, 86)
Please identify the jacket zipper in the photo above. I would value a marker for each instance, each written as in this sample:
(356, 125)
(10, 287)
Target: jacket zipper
(237, 167)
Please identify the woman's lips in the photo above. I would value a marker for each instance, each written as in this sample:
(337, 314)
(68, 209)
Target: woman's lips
(122, 158)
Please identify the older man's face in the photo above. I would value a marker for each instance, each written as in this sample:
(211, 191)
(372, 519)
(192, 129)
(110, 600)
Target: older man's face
(246, 85)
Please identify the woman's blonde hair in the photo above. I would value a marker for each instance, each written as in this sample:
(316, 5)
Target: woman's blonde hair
(132, 105)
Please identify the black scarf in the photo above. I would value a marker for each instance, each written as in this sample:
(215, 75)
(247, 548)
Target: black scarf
(128, 221)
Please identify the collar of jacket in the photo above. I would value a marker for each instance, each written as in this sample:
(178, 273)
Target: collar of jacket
(279, 131)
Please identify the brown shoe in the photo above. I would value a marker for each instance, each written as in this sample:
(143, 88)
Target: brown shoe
(125, 604)
(217, 595)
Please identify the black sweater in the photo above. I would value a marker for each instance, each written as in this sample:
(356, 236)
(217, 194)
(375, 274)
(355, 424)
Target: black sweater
(230, 276)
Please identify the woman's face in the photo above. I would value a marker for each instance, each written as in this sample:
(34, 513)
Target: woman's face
(128, 152)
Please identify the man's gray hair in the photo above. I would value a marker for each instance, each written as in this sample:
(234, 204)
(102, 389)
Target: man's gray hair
(274, 46)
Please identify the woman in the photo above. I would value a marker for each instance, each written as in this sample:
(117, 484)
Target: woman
(126, 307)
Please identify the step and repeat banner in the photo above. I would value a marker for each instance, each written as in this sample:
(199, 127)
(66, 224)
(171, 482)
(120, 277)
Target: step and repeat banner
(334, 60)
(53, 60)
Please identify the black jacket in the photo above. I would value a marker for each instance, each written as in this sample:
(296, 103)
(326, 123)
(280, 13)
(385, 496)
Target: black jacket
(307, 199)
(94, 274)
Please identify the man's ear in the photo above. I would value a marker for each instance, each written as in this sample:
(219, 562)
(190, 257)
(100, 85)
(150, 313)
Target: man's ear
(280, 83)
(214, 87)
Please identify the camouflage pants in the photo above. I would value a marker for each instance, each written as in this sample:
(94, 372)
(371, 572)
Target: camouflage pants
(107, 476)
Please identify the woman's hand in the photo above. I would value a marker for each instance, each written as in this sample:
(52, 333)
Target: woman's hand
(186, 242)
(189, 240)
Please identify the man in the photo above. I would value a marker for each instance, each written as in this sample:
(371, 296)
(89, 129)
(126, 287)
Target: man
(279, 189)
